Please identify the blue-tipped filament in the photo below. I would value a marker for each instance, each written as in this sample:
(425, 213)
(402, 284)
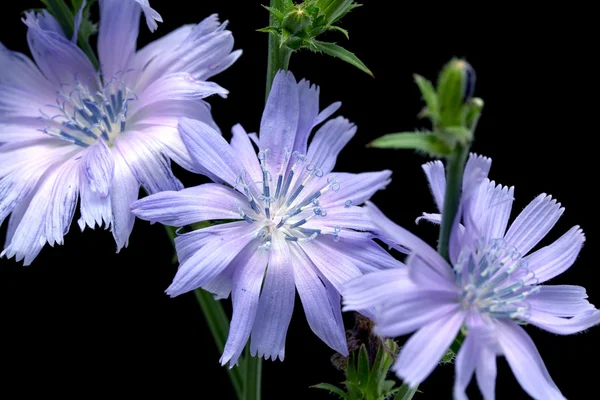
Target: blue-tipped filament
(290, 207)
(495, 280)
(85, 115)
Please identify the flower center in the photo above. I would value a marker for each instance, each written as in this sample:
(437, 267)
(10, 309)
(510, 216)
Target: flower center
(84, 115)
(494, 279)
(287, 204)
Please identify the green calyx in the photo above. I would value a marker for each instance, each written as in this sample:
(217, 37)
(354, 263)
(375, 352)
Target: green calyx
(297, 26)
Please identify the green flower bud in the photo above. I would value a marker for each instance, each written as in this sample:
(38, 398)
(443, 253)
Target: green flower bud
(296, 21)
(456, 85)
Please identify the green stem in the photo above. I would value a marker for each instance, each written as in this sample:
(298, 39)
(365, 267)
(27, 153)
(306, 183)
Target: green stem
(252, 376)
(219, 328)
(454, 173)
(458, 341)
(217, 322)
(279, 57)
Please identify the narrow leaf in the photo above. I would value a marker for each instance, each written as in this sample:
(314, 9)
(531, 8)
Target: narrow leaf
(269, 29)
(426, 142)
(351, 369)
(337, 28)
(363, 367)
(405, 393)
(428, 92)
(334, 50)
(378, 374)
(275, 12)
(354, 391)
(331, 388)
(379, 371)
(388, 385)
(285, 35)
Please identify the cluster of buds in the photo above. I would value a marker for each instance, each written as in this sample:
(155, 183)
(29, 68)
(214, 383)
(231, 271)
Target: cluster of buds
(296, 26)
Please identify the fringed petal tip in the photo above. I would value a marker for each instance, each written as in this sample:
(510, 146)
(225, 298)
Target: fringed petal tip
(31, 19)
(230, 362)
(474, 157)
(283, 75)
(151, 15)
(498, 186)
(265, 355)
(435, 219)
(19, 256)
(432, 164)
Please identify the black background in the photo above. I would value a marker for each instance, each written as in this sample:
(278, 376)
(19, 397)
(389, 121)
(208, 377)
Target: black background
(83, 320)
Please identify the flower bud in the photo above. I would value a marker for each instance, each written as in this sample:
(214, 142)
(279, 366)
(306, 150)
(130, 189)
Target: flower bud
(296, 21)
(455, 87)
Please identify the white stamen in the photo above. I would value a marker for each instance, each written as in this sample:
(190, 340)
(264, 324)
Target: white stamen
(279, 207)
(494, 279)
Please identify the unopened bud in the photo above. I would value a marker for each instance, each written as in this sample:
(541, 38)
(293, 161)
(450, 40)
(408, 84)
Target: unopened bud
(455, 88)
(296, 20)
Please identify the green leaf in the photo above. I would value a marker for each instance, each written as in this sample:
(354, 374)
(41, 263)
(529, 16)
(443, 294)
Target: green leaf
(87, 28)
(285, 35)
(275, 12)
(331, 388)
(420, 141)
(334, 50)
(334, 10)
(378, 374)
(351, 375)
(405, 393)
(388, 385)
(337, 28)
(354, 391)
(429, 94)
(363, 367)
(269, 29)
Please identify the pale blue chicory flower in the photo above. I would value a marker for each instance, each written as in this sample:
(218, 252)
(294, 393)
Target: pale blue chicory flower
(69, 132)
(298, 225)
(491, 287)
